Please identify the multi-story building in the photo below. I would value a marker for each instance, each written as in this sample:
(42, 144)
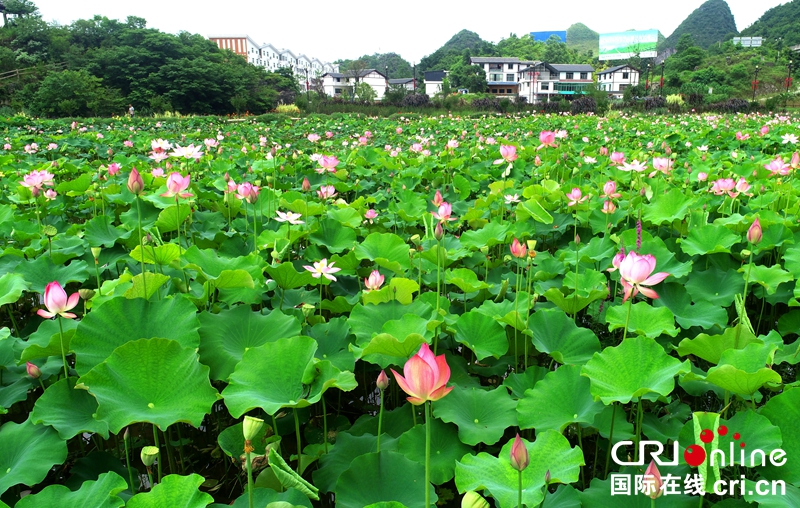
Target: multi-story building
(242, 45)
(541, 81)
(615, 80)
(434, 81)
(336, 83)
(501, 73)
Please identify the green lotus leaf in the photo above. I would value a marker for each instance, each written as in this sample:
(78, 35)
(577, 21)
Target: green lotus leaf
(783, 411)
(150, 380)
(162, 255)
(121, 320)
(667, 261)
(385, 349)
(399, 289)
(68, 410)
(287, 277)
(174, 491)
(623, 429)
(224, 337)
(709, 239)
(667, 208)
(101, 232)
(634, 368)
(743, 370)
(346, 216)
(482, 334)
(170, 217)
(446, 449)
(532, 209)
(100, 493)
(518, 383)
(494, 475)
(231, 440)
(779, 499)
(769, 277)
(555, 334)
(482, 416)
(333, 341)
(546, 407)
(383, 477)
(12, 285)
(367, 321)
(280, 374)
(76, 186)
(334, 236)
(265, 497)
(213, 265)
(715, 286)
(27, 452)
(756, 431)
(387, 250)
(40, 272)
(711, 347)
(493, 233)
(700, 313)
(465, 280)
(46, 340)
(644, 320)
(148, 280)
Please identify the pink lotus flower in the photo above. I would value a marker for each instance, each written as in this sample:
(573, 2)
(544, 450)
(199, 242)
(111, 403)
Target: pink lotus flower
(547, 138)
(33, 371)
(518, 250)
(187, 152)
(35, 180)
(610, 190)
(722, 186)
(370, 215)
(128, 143)
(313, 137)
(519, 455)
(290, 217)
(362, 141)
(603, 150)
(444, 212)
(764, 130)
(452, 144)
(635, 273)
(491, 141)
(662, 164)
(437, 199)
(248, 192)
(508, 154)
(160, 145)
(652, 483)
(57, 303)
(742, 186)
(50, 194)
(426, 376)
(159, 156)
(31, 148)
(326, 191)
(113, 168)
(608, 207)
(416, 148)
(211, 143)
(795, 162)
(742, 137)
(634, 166)
(374, 281)
(7, 146)
(575, 197)
(157, 172)
(399, 130)
(306, 186)
(383, 381)
(615, 262)
(327, 163)
(778, 167)
(755, 233)
(322, 268)
(368, 134)
(176, 184)
(135, 182)
(617, 158)
(52, 146)
(702, 176)
(328, 134)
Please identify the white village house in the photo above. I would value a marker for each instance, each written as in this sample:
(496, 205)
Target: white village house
(615, 80)
(338, 83)
(433, 82)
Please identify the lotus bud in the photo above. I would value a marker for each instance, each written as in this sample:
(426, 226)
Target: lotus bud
(250, 428)
(438, 233)
(547, 477)
(383, 381)
(518, 250)
(135, 182)
(306, 185)
(519, 455)
(652, 486)
(755, 233)
(473, 500)
(127, 434)
(33, 370)
(148, 455)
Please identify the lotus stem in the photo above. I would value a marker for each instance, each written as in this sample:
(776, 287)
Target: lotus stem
(744, 297)
(249, 463)
(325, 425)
(128, 461)
(299, 444)
(427, 454)
(155, 441)
(610, 437)
(178, 220)
(141, 246)
(627, 320)
(519, 489)
(63, 353)
(380, 422)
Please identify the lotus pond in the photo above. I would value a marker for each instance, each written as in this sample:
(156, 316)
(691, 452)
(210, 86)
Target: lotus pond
(344, 311)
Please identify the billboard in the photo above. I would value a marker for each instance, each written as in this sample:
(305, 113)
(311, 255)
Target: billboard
(748, 42)
(621, 45)
(543, 36)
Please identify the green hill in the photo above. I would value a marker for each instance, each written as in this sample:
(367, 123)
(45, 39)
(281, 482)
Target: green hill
(781, 21)
(452, 50)
(581, 38)
(710, 23)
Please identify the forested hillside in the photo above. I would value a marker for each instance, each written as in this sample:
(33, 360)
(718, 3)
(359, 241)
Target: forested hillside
(709, 24)
(782, 21)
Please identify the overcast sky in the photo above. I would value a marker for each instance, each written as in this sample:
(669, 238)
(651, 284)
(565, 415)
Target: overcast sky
(330, 30)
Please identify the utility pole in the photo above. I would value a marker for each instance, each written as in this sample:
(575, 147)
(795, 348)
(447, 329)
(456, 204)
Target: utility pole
(661, 88)
(415, 77)
(755, 84)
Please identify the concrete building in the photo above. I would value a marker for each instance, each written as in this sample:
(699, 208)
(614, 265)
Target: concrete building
(615, 80)
(336, 83)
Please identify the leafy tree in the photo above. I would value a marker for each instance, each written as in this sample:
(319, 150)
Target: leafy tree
(471, 77)
(365, 92)
(556, 51)
(75, 93)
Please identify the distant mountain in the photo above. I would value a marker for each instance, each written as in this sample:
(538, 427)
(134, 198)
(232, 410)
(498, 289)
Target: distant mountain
(582, 39)
(781, 21)
(710, 23)
(452, 51)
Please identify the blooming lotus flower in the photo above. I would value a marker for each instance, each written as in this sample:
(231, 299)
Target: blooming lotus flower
(374, 281)
(789, 139)
(491, 141)
(634, 166)
(608, 207)
(589, 160)
(176, 184)
(755, 233)
(519, 455)
(50, 194)
(211, 143)
(444, 212)
(7, 146)
(617, 157)
(383, 381)
(452, 144)
(416, 148)
(328, 134)
(31, 148)
(702, 176)
(426, 376)
(160, 145)
(313, 137)
(575, 197)
(290, 217)
(157, 172)
(511, 198)
(508, 154)
(518, 250)
(795, 162)
(547, 138)
(322, 268)
(652, 484)
(135, 182)
(636, 272)
(777, 167)
(662, 164)
(370, 215)
(327, 163)
(437, 199)
(57, 303)
(603, 150)
(53, 146)
(113, 168)
(742, 137)
(326, 191)
(399, 130)
(722, 186)
(35, 180)
(247, 191)
(742, 186)
(610, 190)
(187, 152)
(159, 156)
(615, 262)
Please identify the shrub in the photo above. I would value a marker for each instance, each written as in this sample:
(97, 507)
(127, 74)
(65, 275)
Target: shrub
(651, 103)
(415, 100)
(486, 104)
(675, 100)
(269, 118)
(731, 106)
(288, 109)
(583, 105)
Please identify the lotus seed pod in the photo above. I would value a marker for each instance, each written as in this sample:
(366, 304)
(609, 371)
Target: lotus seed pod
(148, 455)
(251, 426)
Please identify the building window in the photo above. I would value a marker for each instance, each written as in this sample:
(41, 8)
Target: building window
(545, 86)
(508, 90)
(494, 90)
(338, 80)
(584, 75)
(509, 77)
(569, 75)
(511, 66)
(337, 90)
(495, 77)
(622, 87)
(624, 75)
